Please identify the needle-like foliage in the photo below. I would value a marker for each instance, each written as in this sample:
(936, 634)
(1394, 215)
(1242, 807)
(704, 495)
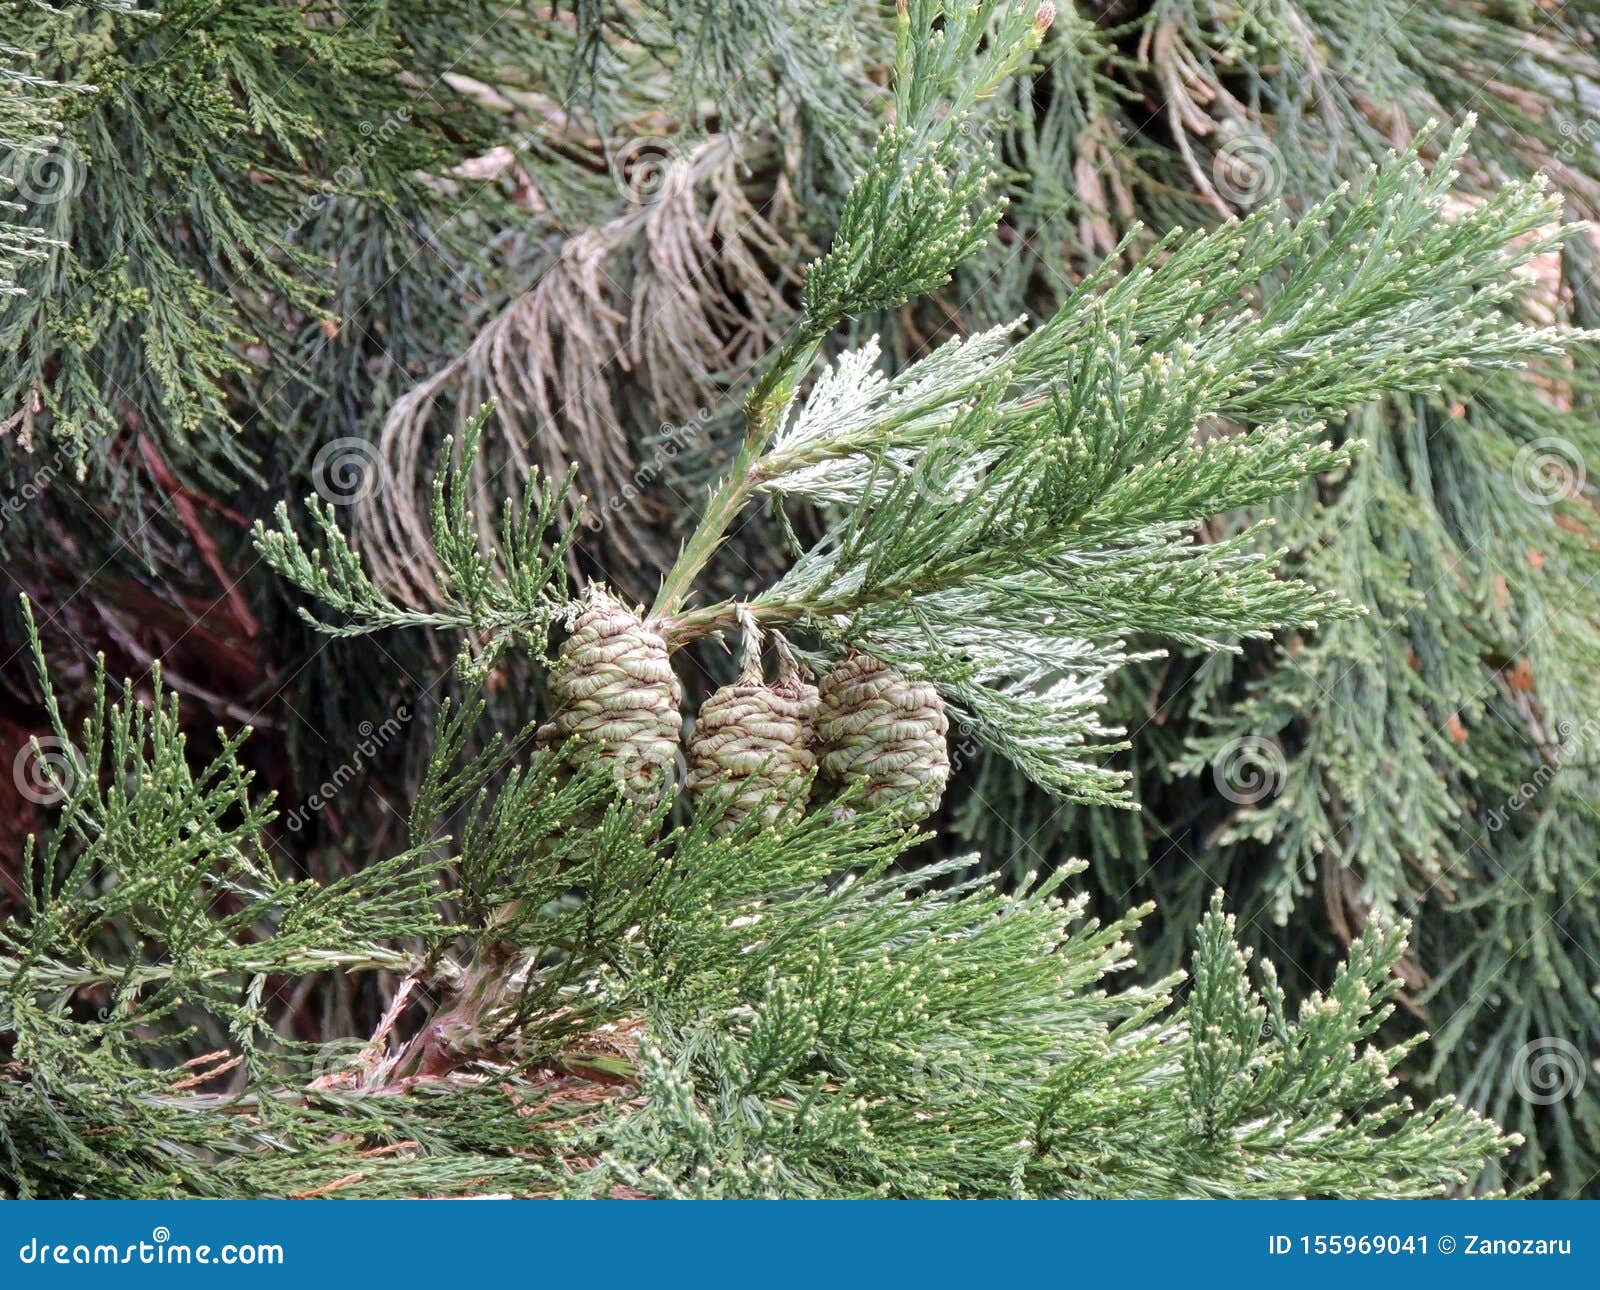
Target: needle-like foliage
(1158, 382)
(788, 1013)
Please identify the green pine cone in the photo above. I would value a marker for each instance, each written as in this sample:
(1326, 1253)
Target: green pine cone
(753, 745)
(876, 726)
(617, 696)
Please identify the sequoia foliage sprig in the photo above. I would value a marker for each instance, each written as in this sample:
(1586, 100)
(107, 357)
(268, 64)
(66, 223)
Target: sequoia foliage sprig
(1010, 511)
(573, 982)
(716, 1014)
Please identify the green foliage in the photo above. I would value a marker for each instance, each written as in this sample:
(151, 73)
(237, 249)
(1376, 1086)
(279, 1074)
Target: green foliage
(25, 104)
(512, 592)
(179, 82)
(783, 1013)
(923, 203)
(1163, 451)
(1016, 511)
(1010, 513)
(1387, 747)
(186, 288)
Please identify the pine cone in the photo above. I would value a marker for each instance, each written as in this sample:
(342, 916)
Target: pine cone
(752, 743)
(876, 726)
(615, 693)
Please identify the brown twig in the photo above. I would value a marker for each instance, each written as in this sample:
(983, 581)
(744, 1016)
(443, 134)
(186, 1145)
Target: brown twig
(183, 500)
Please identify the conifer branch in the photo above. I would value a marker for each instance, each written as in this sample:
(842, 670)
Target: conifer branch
(512, 593)
(715, 1015)
(566, 981)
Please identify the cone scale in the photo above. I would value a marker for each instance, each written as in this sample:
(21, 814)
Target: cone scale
(879, 729)
(616, 697)
(753, 747)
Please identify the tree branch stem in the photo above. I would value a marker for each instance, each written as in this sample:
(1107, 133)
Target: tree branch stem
(763, 409)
